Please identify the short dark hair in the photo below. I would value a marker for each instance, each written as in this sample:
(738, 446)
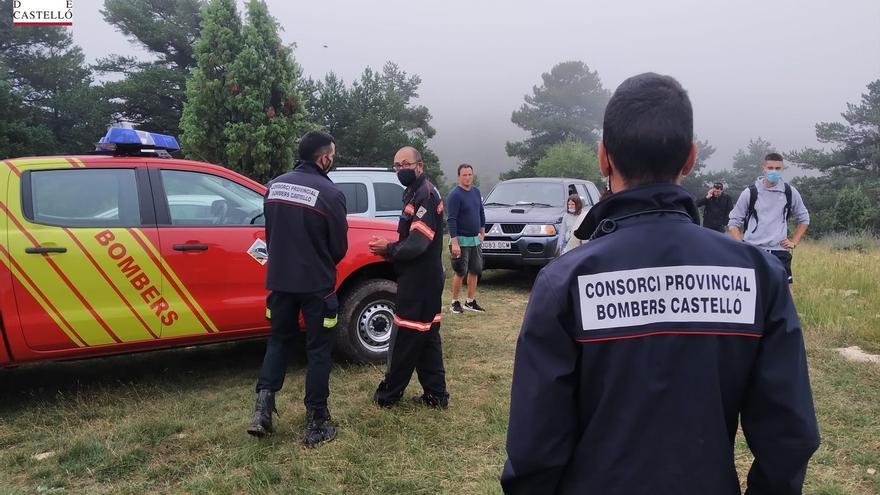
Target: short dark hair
(464, 165)
(314, 144)
(718, 185)
(649, 128)
(773, 157)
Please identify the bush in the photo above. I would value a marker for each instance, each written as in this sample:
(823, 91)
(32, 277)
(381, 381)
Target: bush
(853, 210)
(861, 241)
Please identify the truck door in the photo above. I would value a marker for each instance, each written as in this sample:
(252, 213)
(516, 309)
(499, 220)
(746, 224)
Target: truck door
(212, 235)
(81, 278)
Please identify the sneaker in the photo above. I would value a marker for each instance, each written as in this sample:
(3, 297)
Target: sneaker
(319, 429)
(456, 307)
(473, 306)
(432, 401)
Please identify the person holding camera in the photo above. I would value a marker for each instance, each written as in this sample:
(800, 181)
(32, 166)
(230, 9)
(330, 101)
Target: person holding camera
(716, 208)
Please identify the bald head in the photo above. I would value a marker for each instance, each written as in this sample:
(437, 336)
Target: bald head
(409, 157)
(408, 153)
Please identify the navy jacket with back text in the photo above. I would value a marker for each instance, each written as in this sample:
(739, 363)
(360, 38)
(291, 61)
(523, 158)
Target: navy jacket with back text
(641, 351)
(306, 230)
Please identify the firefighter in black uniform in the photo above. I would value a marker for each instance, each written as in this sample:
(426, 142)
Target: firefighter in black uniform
(642, 350)
(415, 338)
(307, 235)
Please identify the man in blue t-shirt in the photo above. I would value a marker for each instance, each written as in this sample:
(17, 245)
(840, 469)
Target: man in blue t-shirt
(466, 220)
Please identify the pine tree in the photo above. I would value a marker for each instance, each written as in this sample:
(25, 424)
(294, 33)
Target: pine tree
(207, 110)
(747, 163)
(266, 109)
(569, 105)
(374, 117)
(243, 110)
(150, 93)
(52, 106)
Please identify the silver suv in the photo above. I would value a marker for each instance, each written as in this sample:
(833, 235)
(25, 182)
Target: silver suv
(370, 191)
(523, 219)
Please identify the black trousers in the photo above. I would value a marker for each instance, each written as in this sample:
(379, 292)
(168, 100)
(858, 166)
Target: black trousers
(785, 258)
(411, 350)
(285, 308)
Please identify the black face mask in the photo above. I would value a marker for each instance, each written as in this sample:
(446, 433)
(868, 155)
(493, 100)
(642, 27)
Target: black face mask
(406, 176)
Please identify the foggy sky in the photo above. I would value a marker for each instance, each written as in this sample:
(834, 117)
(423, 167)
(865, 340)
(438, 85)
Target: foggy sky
(769, 68)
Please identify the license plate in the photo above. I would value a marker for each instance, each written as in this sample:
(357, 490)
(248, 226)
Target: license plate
(496, 245)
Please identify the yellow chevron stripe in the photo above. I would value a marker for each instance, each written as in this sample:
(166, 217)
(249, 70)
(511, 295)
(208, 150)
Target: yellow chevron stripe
(5, 174)
(41, 300)
(42, 273)
(187, 323)
(120, 312)
(178, 330)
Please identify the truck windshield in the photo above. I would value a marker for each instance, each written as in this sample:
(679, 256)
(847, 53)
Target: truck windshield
(540, 194)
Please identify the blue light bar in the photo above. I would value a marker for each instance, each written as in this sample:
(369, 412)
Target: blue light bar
(131, 138)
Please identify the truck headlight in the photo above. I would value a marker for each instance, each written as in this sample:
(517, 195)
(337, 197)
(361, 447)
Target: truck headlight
(539, 230)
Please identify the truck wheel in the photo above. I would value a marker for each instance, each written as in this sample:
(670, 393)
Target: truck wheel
(365, 319)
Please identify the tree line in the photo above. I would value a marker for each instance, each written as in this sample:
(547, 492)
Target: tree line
(219, 79)
(563, 117)
(224, 82)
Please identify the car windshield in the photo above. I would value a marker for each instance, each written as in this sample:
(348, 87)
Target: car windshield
(541, 194)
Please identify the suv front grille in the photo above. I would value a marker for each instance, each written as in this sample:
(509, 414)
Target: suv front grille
(512, 228)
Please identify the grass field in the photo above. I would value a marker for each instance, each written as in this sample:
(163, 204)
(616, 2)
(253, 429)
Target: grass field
(173, 421)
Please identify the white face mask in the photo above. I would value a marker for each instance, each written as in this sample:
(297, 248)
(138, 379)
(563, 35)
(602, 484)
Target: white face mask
(571, 210)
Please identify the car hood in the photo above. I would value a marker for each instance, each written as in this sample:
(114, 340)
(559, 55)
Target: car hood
(523, 214)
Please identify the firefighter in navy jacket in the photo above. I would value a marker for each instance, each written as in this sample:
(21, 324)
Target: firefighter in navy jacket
(417, 257)
(642, 349)
(307, 235)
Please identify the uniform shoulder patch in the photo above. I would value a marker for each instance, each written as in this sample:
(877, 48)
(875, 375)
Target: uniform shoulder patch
(421, 212)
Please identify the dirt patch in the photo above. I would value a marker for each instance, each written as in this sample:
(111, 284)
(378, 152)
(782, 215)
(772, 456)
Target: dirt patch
(43, 456)
(857, 355)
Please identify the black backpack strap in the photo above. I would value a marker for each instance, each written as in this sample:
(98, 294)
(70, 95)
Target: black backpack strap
(787, 201)
(751, 212)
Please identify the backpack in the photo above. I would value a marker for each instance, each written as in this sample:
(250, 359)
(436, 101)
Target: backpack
(753, 198)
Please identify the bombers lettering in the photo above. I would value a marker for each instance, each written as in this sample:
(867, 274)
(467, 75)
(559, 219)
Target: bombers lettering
(138, 279)
(647, 307)
(667, 294)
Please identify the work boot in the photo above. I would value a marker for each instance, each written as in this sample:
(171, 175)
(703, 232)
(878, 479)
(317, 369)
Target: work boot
(436, 402)
(381, 399)
(261, 424)
(319, 428)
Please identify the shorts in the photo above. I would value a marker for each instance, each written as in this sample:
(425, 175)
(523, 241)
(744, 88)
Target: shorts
(470, 261)
(785, 258)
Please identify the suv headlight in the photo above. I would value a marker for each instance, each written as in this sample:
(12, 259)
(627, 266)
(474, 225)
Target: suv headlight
(539, 230)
